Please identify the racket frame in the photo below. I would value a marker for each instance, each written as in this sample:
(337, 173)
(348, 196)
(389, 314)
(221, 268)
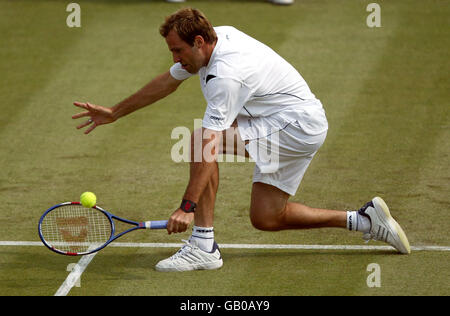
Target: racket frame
(111, 217)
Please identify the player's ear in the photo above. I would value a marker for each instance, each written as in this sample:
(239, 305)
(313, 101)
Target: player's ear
(199, 41)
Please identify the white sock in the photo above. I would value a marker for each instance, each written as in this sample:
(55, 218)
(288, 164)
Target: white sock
(357, 222)
(204, 237)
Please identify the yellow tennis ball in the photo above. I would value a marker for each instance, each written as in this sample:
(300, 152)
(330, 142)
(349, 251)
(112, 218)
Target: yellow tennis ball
(88, 199)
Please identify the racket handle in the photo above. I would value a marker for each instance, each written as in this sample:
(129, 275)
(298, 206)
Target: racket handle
(156, 224)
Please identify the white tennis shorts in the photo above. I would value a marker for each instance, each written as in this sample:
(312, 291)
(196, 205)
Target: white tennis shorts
(282, 157)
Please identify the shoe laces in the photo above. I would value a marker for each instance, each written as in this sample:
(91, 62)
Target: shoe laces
(186, 248)
(382, 234)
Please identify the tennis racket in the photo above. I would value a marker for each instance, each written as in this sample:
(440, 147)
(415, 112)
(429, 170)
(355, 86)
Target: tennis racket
(74, 230)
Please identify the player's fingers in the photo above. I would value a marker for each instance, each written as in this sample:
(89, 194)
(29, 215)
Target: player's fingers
(81, 105)
(180, 227)
(78, 115)
(85, 124)
(87, 106)
(169, 226)
(91, 107)
(90, 129)
(173, 225)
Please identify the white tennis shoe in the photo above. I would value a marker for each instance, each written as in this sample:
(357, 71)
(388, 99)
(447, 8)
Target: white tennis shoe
(383, 226)
(282, 2)
(191, 257)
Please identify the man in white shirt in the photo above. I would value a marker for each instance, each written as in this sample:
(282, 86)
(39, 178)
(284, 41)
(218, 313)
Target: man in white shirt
(254, 94)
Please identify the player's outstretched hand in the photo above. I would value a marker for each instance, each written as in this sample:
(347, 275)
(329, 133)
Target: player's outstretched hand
(98, 115)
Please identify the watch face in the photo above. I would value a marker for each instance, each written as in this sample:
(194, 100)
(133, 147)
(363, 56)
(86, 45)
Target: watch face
(188, 206)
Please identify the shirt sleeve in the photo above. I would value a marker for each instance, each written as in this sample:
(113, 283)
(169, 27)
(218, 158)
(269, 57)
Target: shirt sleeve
(179, 73)
(226, 98)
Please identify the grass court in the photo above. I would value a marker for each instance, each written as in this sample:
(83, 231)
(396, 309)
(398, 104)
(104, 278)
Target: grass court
(385, 91)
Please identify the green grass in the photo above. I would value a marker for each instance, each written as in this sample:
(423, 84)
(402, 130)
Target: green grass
(385, 91)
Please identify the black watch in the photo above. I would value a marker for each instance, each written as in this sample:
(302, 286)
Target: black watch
(188, 206)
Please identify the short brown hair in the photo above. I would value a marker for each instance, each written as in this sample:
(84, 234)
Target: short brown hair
(188, 23)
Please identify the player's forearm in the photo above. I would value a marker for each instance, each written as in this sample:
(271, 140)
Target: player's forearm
(201, 172)
(158, 88)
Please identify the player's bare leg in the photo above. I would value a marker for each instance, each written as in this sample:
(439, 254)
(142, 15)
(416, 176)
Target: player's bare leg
(270, 210)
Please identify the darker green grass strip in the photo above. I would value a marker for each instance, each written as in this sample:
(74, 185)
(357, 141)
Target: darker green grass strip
(33, 42)
(392, 130)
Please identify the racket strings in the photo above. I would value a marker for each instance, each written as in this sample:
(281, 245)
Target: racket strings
(74, 228)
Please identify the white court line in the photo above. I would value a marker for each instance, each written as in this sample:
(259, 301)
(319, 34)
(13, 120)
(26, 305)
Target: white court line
(246, 246)
(75, 275)
(79, 268)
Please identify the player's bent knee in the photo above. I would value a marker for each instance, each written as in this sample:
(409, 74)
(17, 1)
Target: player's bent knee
(261, 221)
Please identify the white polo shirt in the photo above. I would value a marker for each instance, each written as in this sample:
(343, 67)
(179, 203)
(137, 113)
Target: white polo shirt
(246, 80)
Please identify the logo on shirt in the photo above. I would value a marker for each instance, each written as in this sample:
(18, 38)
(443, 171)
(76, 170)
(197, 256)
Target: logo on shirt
(209, 77)
(216, 118)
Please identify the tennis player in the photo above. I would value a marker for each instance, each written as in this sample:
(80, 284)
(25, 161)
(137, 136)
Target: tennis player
(253, 93)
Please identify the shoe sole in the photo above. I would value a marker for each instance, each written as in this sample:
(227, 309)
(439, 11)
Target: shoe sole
(400, 236)
(191, 267)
